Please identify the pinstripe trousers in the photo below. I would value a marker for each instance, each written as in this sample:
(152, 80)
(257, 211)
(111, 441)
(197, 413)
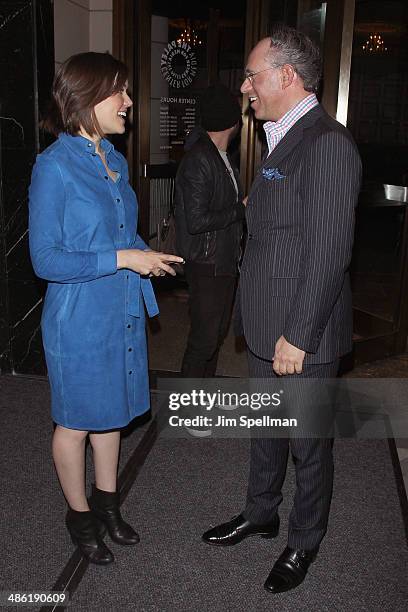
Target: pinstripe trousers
(313, 460)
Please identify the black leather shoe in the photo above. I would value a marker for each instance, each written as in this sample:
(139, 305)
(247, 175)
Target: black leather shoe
(237, 529)
(105, 507)
(86, 535)
(290, 569)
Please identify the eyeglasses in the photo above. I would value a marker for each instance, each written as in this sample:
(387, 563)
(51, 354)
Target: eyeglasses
(251, 75)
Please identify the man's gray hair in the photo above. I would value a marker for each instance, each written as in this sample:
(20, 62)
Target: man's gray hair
(289, 46)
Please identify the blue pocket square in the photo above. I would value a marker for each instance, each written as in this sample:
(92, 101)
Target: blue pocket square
(272, 174)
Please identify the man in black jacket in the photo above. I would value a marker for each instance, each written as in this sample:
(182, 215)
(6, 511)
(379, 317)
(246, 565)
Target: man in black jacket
(209, 213)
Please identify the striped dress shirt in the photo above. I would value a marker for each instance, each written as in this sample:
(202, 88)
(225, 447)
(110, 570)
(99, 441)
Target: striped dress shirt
(276, 130)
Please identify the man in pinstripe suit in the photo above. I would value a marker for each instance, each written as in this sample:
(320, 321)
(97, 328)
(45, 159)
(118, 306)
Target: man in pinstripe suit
(294, 293)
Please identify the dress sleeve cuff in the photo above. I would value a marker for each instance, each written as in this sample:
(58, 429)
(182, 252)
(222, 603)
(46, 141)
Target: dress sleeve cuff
(140, 244)
(107, 263)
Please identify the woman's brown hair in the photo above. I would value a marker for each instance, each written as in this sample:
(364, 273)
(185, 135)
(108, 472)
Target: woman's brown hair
(80, 83)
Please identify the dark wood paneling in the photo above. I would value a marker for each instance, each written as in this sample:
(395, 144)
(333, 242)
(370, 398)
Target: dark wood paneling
(123, 48)
(331, 54)
(257, 19)
(143, 27)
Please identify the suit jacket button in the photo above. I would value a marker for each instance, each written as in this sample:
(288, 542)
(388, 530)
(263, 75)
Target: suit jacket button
(250, 236)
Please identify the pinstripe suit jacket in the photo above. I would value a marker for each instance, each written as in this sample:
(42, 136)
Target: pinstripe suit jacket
(294, 280)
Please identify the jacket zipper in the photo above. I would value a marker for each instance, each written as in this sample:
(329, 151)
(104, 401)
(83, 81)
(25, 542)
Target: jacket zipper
(207, 243)
(236, 191)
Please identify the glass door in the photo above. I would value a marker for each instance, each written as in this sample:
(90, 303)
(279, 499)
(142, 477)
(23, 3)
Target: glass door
(186, 47)
(378, 119)
(181, 47)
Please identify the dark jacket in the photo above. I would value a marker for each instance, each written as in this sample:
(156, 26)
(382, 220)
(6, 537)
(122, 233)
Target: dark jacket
(294, 277)
(207, 212)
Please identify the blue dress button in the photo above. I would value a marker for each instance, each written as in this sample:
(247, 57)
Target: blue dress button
(130, 371)
(130, 349)
(128, 326)
(106, 177)
(121, 226)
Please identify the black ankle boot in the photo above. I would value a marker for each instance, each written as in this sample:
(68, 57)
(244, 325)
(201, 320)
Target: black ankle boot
(105, 507)
(86, 535)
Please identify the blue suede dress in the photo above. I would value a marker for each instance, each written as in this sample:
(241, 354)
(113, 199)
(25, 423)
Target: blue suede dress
(93, 321)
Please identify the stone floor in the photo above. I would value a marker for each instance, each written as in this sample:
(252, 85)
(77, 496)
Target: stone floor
(167, 336)
(393, 367)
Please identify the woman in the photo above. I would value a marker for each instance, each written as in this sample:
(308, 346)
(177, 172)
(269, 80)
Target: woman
(84, 241)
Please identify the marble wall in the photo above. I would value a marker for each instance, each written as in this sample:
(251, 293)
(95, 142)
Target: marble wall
(27, 60)
(26, 64)
(90, 20)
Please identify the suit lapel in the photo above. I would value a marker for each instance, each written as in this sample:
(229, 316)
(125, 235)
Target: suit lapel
(287, 144)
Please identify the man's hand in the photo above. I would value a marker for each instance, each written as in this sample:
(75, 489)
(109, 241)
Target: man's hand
(288, 359)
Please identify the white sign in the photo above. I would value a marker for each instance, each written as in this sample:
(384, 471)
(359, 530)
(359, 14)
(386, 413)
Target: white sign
(178, 64)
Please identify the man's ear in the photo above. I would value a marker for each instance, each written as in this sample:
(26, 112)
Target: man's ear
(288, 75)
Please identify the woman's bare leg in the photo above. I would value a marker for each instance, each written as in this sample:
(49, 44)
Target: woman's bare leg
(105, 448)
(68, 450)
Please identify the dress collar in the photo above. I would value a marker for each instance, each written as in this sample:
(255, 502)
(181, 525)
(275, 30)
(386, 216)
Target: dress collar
(80, 144)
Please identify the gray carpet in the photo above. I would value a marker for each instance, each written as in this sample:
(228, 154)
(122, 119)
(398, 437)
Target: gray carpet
(34, 543)
(183, 488)
(187, 485)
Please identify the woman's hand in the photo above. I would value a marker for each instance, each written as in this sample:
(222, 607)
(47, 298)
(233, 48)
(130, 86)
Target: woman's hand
(147, 263)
